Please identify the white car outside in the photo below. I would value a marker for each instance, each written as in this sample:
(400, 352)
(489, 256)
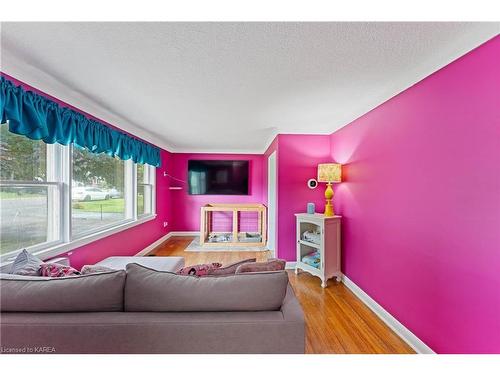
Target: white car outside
(88, 194)
(114, 193)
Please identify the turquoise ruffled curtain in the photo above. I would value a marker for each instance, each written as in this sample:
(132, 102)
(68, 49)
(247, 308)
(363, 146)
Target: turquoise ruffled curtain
(39, 118)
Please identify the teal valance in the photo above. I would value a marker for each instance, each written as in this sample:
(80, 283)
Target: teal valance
(40, 118)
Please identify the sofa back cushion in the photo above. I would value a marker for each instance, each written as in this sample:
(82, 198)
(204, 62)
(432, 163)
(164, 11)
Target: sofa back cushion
(95, 292)
(150, 290)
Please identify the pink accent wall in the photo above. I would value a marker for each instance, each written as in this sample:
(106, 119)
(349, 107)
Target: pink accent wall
(421, 204)
(297, 158)
(131, 241)
(186, 208)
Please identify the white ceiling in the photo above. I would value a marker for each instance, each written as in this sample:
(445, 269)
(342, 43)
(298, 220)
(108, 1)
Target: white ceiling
(230, 87)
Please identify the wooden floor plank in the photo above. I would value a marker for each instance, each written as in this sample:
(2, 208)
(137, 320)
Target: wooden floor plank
(336, 320)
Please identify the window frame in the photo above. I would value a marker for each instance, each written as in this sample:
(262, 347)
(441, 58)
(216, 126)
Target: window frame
(149, 181)
(60, 163)
(53, 179)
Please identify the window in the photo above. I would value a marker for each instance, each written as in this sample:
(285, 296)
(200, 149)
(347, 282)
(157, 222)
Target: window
(145, 185)
(97, 191)
(54, 196)
(29, 193)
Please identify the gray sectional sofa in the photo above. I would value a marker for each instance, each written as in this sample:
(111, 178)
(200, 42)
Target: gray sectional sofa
(142, 310)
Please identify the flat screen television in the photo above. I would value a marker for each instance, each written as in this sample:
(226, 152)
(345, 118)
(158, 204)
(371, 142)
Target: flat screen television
(218, 177)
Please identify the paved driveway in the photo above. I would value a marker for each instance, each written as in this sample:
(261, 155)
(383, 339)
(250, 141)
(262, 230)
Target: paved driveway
(23, 222)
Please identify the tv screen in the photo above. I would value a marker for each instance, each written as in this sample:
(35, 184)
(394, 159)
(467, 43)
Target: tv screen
(218, 177)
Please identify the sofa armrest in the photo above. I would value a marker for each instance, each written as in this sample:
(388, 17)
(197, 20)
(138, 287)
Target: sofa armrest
(291, 309)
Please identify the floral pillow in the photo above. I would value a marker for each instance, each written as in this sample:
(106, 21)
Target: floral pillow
(56, 270)
(199, 269)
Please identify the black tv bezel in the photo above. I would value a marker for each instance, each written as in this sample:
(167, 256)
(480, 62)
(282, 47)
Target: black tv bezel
(247, 162)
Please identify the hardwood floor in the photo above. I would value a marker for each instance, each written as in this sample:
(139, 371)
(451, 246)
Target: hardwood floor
(336, 320)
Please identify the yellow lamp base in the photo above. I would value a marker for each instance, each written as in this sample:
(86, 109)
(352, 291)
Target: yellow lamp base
(329, 195)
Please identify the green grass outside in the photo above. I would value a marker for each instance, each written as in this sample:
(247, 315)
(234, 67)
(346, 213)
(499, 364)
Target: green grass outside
(116, 205)
(111, 205)
(11, 195)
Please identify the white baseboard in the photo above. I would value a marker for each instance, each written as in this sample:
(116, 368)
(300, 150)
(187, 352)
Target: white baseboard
(290, 265)
(409, 337)
(151, 247)
(185, 233)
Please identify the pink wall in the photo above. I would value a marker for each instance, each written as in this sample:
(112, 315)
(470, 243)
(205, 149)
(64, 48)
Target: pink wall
(299, 156)
(131, 241)
(421, 204)
(186, 208)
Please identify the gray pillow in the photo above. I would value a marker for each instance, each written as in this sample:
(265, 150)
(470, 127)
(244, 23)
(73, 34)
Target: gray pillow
(94, 292)
(26, 264)
(270, 265)
(150, 290)
(229, 269)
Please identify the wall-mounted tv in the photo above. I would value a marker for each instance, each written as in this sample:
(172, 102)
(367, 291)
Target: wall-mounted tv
(218, 177)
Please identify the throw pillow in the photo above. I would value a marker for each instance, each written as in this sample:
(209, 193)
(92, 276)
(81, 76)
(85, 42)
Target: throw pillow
(94, 268)
(26, 264)
(198, 269)
(270, 265)
(57, 270)
(230, 269)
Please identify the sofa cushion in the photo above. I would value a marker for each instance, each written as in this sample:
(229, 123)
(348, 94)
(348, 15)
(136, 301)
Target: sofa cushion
(26, 264)
(270, 265)
(94, 292)
(150, 290)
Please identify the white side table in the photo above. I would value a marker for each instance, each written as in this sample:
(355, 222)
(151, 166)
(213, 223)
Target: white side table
(327, 243)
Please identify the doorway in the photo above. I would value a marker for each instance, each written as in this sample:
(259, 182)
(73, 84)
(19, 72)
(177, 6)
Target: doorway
(271, 204)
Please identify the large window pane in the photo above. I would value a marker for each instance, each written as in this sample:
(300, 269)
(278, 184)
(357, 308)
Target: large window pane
(29, 208)
(97, 191)
(25, 212)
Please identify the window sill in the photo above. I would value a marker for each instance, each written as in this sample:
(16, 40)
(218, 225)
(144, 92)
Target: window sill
(61, 248)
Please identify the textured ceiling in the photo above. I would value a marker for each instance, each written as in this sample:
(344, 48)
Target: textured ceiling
(230, 87)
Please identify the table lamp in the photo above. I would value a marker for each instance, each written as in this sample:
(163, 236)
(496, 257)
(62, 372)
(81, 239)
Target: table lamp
(329, 172)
